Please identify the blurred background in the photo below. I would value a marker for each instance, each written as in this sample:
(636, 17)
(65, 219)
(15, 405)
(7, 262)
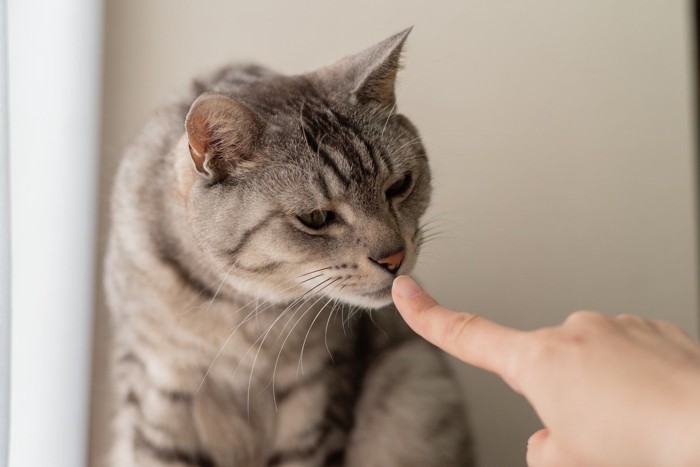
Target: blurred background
(561, 135)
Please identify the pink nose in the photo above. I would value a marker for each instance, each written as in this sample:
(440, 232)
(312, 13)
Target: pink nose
(392, 262)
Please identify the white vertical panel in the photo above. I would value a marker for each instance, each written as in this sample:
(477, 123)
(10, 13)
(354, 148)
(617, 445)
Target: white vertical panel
(54, 57)
(4, 247)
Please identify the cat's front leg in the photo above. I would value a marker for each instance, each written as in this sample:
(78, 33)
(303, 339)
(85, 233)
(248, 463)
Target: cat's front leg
(410, 412)
(163, 425)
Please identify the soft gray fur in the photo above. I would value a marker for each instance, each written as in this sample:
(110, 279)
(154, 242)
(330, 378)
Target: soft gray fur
(245, 336)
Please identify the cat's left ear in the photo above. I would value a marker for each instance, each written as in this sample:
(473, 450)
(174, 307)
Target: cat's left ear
(368, 77)
(221, 134)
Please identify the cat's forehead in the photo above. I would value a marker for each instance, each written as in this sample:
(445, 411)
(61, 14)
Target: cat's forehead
(283, 96)
(318, 143)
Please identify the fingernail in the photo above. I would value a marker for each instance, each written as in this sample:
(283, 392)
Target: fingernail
(406, 287)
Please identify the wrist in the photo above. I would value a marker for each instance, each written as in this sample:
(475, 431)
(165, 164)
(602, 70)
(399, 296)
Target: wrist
(691, 443)
(684, 428)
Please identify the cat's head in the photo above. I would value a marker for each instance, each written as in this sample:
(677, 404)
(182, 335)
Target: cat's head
(309, 184)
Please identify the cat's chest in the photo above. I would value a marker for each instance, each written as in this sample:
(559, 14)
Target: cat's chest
(314, 417)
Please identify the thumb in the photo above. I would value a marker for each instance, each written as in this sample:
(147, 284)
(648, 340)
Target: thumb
(544, 451)
(468, 337)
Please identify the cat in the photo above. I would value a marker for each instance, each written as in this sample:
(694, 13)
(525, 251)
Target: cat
(257, 225)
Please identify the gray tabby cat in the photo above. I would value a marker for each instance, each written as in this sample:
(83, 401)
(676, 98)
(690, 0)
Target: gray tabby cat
(256, 223)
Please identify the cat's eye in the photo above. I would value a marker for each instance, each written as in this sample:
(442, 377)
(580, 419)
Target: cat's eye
(317, 219)
(399, 187)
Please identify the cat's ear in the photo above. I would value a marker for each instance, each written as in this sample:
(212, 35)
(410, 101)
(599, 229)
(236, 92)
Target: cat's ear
(222, 134)
(368, 77)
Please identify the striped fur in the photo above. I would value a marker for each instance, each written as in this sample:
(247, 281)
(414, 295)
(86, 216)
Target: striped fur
(242, 338)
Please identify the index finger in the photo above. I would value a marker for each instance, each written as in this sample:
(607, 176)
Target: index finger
(471, 338)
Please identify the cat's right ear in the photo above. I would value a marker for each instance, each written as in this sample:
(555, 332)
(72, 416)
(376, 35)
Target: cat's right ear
(368, 77)
(221, 134)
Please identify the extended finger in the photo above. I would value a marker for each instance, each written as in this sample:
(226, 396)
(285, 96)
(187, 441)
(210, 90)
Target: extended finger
(469, 337)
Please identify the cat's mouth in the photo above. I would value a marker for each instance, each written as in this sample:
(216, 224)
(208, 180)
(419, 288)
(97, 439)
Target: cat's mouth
(370, 297)
(378, 293)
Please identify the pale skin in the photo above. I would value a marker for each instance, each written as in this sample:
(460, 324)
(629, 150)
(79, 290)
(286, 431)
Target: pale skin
(616, 392)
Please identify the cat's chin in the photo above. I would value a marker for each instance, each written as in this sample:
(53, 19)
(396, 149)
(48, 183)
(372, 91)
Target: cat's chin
(372, 299)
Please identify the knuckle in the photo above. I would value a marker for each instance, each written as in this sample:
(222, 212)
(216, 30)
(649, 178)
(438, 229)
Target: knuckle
(544, 350)
(625, 317)
(671, 330)
(540, 350)
(548, 345)
(666, 326)
(458, 325)
(584, 318)
(424, 313)
(633, 321)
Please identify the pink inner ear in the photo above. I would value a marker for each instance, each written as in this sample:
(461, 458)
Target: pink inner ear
(198, 136)
(198, 132)
(221, 133)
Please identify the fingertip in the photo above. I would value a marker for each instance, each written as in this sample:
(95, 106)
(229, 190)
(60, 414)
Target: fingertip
(410, 299)
(406, 287)
(468, 337)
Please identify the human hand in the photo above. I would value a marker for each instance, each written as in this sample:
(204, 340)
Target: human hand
(616, 392)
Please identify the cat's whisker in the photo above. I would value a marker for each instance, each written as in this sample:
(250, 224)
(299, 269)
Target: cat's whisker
(189, 305)
(427, 232)
(342, 318)
(431, 241)
(391, 112)
(264, 337)
(432, 234)
(439, 236)
(390, 143)
(346, 319)
(311, 278)
(257, 296)
(271, 383)
(311, 272)
(415, 157)
(409, 143)
(437, 217)
(279, 354)
(351, 314)
(218, 289)
(218, 354)
(377, 324)
(311, 296)
(433, 222)
(189, 308)
(257, 316)
(300, 366)
(325, 334)
(257, 311)
(298, 308)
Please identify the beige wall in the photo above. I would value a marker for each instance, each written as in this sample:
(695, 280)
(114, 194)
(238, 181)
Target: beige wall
(559, 132)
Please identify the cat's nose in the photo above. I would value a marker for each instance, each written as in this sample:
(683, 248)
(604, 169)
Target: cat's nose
(391, 262)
